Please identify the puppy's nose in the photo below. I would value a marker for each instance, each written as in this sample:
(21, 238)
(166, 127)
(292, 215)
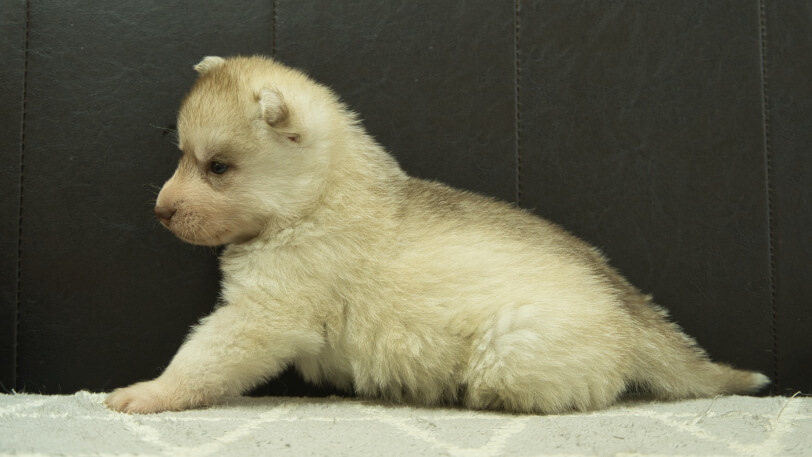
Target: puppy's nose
(164, 214)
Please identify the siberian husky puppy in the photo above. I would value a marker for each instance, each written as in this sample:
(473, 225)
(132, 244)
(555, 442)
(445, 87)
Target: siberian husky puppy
(387, 285)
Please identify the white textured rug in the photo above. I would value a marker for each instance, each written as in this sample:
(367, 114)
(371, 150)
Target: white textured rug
(79, 425)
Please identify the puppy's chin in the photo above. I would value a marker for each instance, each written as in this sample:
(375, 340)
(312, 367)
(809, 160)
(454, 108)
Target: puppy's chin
(213, 240)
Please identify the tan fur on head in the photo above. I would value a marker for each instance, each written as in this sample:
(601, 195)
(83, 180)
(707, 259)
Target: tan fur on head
(386, 285)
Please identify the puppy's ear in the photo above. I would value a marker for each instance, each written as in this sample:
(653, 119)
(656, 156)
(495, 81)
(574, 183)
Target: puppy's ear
(208, 63)
(276, 113)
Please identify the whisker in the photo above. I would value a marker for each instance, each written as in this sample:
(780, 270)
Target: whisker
(168, 130)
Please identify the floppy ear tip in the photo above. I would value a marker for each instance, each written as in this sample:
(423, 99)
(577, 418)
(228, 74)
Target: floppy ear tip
(208, 63)
(269, 97)
(273, 106)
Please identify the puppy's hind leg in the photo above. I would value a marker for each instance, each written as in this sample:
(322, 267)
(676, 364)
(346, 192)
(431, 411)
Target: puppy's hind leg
(231, 351)
(524, 372)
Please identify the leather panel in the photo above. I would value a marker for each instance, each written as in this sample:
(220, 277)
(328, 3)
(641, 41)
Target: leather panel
(788, 70)
(642, 133)
(12, 48)
(433, 81)
(107, 294)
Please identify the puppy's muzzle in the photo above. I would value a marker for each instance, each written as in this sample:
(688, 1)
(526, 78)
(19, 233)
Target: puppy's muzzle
(164, 214)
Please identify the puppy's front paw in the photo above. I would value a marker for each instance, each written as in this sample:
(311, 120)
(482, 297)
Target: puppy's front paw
(145, 398)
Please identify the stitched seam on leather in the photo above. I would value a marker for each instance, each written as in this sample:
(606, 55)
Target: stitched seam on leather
(273, 29)
(765, 104)
(20, 201)
(517, 94)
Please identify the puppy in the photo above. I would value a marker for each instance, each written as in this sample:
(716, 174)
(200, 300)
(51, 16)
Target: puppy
(387, 285)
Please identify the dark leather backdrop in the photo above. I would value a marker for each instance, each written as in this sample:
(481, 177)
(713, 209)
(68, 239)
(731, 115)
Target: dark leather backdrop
(673, 135)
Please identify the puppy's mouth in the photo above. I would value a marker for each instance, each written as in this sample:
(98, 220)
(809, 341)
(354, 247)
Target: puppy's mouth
(187, 228)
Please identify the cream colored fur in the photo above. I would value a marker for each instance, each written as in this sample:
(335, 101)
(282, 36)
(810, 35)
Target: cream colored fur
(387, 285)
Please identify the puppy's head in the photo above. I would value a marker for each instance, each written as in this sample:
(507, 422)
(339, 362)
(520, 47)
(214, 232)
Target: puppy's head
(254, 137)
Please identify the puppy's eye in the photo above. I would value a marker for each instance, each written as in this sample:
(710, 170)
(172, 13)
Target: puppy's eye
(218, 168)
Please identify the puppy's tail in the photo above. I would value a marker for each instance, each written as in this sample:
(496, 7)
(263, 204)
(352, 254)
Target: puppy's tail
(672, 366)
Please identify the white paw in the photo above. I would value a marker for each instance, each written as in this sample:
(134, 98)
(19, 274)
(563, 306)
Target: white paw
(145, 398)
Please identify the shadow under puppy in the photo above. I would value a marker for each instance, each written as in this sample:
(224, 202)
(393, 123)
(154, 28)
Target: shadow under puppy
(388, 285)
